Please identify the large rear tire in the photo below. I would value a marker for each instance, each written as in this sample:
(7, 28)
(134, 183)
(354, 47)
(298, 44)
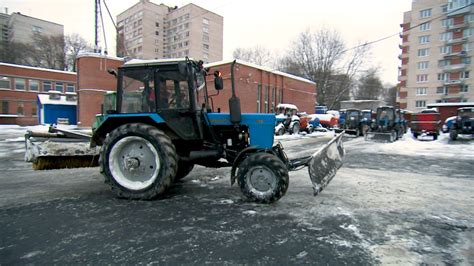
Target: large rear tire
(263, 178)
(138, 161)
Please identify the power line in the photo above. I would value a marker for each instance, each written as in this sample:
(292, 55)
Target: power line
(412, 27)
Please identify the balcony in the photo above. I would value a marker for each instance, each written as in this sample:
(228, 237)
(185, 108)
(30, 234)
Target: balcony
(457, 40)
(458, 26)
(454, 82)
(456, 54)
(456, 67)
(452, 12)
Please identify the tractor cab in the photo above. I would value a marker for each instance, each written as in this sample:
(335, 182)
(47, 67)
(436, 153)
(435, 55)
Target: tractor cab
(464, 123)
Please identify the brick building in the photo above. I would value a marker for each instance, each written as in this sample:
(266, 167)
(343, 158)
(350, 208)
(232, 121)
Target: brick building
(261, 89)
(93, 82)
(20, 86)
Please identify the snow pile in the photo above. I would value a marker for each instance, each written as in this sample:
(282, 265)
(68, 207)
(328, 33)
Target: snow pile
(304, 135)
(425, 146)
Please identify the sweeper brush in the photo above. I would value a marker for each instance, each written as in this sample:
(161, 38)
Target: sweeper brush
(60, 149)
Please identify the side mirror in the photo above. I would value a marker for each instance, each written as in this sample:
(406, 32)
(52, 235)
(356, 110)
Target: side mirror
(112, 72)
(218, 81)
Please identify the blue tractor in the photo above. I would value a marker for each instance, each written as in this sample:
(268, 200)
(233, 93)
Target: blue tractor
(163, 124)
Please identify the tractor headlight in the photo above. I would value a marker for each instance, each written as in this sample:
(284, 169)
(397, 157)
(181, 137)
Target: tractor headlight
(352, 118)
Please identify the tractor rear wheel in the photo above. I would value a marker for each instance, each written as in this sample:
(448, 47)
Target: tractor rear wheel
(184, 168)
(138, 161)
(263, 178)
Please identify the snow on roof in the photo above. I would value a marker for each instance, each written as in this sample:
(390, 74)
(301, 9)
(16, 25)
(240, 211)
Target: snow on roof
(220, 63)
(287, 105)
(38, 68)
(361, 101)
(97, 55)
(450, 104)
(45, 99)
(136, 62)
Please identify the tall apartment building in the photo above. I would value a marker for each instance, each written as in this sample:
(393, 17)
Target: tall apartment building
(437, 49)
(22, 28)
(150, 31)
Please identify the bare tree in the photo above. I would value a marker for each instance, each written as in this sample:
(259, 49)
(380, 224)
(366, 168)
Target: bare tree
(50, 51)
(369, 86)
(323, 58)
(75, 44)
(390, 94)
(258, 55)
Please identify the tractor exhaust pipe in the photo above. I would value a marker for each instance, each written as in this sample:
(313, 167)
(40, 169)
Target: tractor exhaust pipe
(234, 101)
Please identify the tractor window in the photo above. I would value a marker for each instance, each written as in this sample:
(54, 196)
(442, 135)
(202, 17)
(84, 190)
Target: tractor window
(174, 94)
(466, 113)
(138, 94)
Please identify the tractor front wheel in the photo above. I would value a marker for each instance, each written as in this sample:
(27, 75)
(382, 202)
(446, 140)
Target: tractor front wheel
(295, 129)
(453, 134)
(138, 161)
(263, 178)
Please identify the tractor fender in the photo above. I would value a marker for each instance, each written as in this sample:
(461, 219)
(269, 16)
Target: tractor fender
(239, 158)
(113, 121)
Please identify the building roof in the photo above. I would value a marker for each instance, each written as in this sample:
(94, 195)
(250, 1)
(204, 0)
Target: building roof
(38, 68)
(89, 54)
(45, 99)
(225, 62)
(20, 14)
(150, 62)
(450, 104)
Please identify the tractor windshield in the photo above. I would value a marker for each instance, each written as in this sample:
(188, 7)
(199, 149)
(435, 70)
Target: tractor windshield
(385, 114)
(354, 114)
(466, 113)
(145, 90)
(367, 115)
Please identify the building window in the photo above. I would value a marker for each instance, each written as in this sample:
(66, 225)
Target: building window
(205, 21)
(425, 26)
(445, 49)
(443, 76)
(442, 90)
(424, 52)
(464, 88)
(259, 97)
(5, 82)
(34, 111)
(468, 32)
(20, 109)
(46, 86)
(157, 33)
(420, 104)
(5, 108)
(421, 91)
(425, 13)
(70, 87)
(33, 85)
(443, 63)
(424, 39)
(266, 97)
(59, 86)
(446, 36)
(422, 65)
(464, 100)
(464, 75)
(205, 47)
(447, 22)
(469, 18)
(444, 8)
(37, 29)
(205, 38)
(421, 78)
(19, 84)
(205, 29)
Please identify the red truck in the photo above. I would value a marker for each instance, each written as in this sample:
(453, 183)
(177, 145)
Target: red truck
(427, 122)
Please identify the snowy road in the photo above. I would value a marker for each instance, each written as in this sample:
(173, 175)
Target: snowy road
(407, 202)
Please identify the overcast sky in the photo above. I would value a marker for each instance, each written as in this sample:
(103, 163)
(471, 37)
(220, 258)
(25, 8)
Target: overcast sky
(272, 24)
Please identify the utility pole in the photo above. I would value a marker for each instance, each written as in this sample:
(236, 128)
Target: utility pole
(96, 25)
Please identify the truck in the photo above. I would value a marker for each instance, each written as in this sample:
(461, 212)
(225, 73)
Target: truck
(146, 143)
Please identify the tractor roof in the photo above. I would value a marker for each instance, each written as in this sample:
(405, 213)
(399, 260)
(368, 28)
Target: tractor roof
(153, 62)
